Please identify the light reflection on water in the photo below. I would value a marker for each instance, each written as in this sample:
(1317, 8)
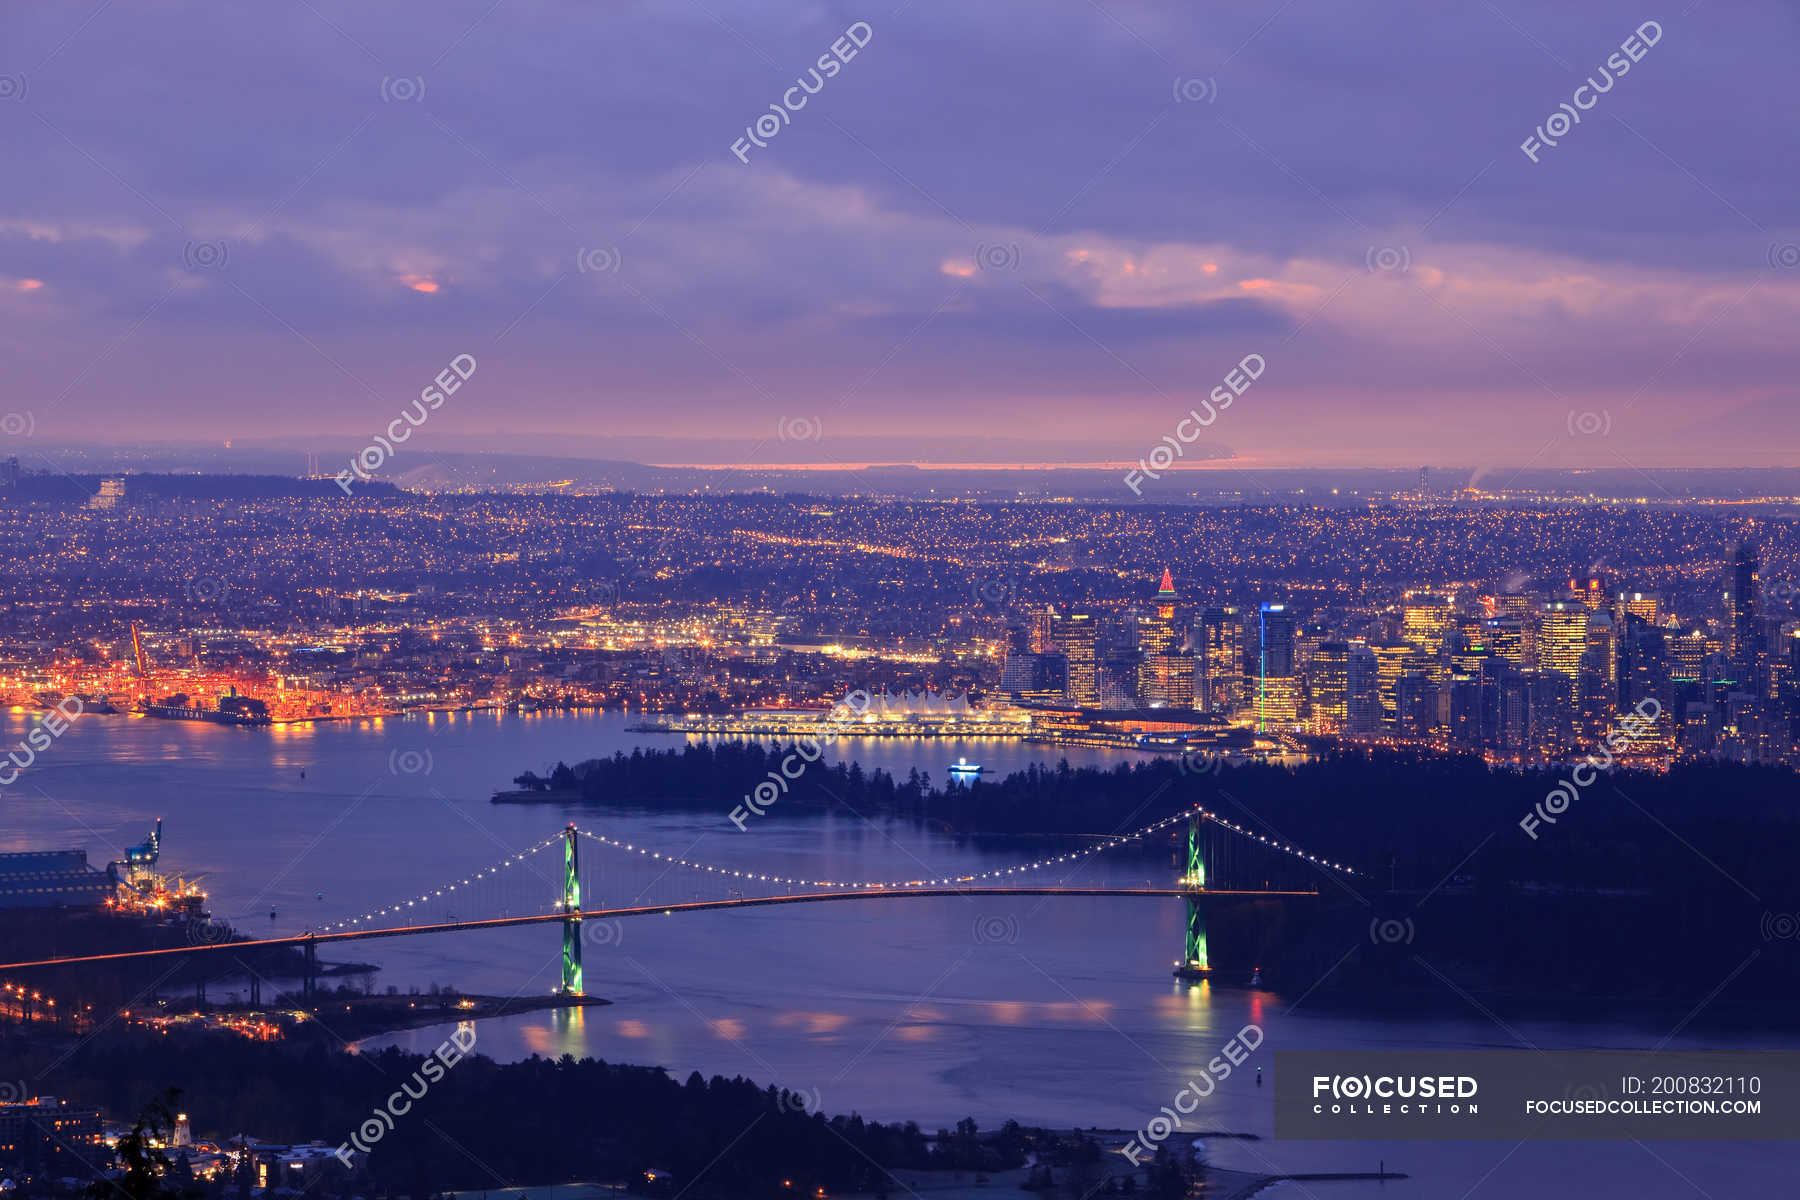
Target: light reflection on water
(893, 1009)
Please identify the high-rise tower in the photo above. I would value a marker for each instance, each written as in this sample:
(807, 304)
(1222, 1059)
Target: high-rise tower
(1277, 690)
(1740, 606)
(1079, 639)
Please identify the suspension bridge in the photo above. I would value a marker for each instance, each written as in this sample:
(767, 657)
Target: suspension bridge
(1222, 861)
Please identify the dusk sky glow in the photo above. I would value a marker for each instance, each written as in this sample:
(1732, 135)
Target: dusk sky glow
(1001, 233)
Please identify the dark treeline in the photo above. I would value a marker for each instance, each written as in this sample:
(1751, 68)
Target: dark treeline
(490, 1125)
(59, 488)
(1404, 818)
(1651, 886)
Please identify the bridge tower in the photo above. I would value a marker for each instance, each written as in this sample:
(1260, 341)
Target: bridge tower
(1194, 963)
(571, 906)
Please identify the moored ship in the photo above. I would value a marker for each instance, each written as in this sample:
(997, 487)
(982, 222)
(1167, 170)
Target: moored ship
(231, 709)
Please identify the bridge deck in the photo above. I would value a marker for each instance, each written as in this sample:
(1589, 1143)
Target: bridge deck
(353, 935)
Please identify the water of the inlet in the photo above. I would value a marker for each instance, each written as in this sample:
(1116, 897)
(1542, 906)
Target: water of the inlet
(1051, 1011)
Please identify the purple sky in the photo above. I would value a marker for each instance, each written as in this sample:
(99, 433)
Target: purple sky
(997, 220)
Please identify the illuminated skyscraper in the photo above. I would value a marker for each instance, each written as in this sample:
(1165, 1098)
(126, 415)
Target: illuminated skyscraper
(1649, 663)
(1156, 632)
(1591, 592)
(1277, 688)
(1425, 624)
(1344, 699)
(111, 492)
(1165, 677)
(1522, 606)
(1469, 650)
(1740, 607)
(1505, 639)
(1362, 696)
(1221, 657)
(1043, 630)
(1687, 655)
(1078, 638)
(1391, 659)
(1116, 681)
(1329, 676)
(1647, 605)
(1167, 681)
(1603, 648)
(1416, 705)
(1562, 637)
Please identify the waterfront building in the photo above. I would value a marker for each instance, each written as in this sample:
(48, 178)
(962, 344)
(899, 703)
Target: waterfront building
(52, 1138)
(1167, 680)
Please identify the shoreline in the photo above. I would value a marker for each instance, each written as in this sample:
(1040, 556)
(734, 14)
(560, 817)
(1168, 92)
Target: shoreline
(1217, 1183)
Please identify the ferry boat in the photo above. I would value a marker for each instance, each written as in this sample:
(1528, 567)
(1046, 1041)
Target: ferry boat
(962, 768)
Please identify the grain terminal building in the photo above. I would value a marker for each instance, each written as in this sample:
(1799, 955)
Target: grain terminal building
(53, 879)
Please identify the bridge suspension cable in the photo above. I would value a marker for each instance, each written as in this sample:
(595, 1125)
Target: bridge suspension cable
(1110, 842)
(511, 860)
(999, 873)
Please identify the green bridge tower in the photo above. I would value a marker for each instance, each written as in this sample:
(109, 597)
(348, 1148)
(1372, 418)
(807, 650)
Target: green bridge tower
(1194, 964)
(571, 906)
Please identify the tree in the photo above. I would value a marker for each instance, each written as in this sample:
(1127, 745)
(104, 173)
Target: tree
(141, 1152)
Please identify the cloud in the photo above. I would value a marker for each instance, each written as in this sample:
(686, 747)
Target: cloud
(994, 214)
